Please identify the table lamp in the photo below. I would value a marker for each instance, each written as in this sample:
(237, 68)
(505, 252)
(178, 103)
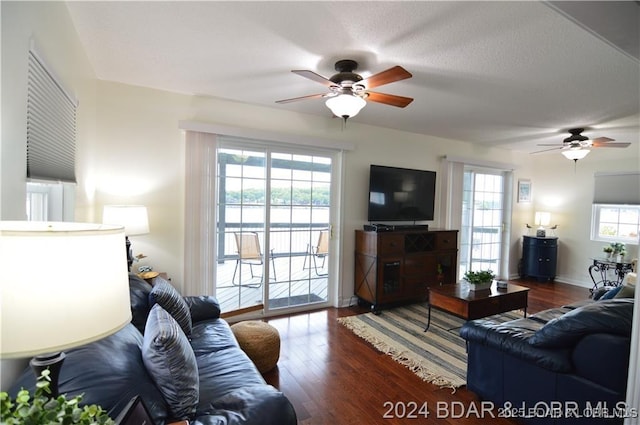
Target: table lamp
(62, 285)
(135, 220)
(542, 219)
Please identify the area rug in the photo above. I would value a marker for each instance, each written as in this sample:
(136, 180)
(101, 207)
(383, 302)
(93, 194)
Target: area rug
(437, 356)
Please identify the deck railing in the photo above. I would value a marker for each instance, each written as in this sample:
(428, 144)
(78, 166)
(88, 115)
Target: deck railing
(286, 239)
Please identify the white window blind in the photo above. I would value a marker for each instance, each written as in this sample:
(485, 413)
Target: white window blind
(618, 188)
(51, 126)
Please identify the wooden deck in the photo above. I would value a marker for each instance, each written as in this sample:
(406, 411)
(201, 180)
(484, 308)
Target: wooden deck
(293, 284)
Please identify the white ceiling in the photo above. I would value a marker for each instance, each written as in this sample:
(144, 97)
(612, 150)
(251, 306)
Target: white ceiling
(510, 74)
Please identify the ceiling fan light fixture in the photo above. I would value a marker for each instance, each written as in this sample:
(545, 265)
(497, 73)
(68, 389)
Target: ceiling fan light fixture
(345, 105)
(575, 154)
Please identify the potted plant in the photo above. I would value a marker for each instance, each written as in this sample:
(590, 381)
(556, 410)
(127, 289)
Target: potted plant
(619, 250)
(608, 251)
(42, 409)
(621, 255)
(479, 280)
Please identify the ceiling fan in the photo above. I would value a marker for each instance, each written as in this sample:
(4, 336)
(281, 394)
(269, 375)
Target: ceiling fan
(577, 146)
(348, 90)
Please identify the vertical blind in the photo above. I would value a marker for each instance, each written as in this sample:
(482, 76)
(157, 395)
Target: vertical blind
(51, 126)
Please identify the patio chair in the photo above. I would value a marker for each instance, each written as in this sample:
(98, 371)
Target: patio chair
(320, 250)
(249, 252)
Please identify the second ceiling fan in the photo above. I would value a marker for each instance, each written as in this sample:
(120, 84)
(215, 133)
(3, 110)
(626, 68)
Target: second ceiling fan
(577, 146)
(348, 90)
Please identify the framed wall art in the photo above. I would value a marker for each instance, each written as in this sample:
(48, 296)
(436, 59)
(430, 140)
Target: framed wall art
(524, 191)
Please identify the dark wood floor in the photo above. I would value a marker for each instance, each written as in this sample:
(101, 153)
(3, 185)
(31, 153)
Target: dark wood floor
(333, 377)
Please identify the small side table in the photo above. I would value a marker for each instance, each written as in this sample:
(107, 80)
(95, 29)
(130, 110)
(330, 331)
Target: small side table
(601, 266)
(150, 276)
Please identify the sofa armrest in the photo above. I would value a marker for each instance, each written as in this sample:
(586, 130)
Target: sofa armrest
(203, 307)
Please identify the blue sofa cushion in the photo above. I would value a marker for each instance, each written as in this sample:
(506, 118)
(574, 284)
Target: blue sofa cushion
(171, 362)
(609, 316)
(170, 299)
(139, 291)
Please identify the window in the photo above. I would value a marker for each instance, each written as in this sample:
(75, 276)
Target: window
(619, 223)
(51, 144)
(481, 238)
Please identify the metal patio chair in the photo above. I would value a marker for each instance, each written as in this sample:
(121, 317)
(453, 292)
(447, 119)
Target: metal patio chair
(320, 250)
(250, 253)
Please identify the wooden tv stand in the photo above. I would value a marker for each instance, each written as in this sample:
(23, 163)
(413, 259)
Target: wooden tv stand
(399, 266)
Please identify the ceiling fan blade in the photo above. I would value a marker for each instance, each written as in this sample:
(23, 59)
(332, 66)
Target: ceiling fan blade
(610, 145)
(548, 150)
(602, 140)
(313, 76)
(551, 144)
(295, 99)
(389, 99)
(396, 73)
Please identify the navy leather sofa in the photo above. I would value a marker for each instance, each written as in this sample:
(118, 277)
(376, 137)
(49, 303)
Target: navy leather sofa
(185, 365)
(561, 366)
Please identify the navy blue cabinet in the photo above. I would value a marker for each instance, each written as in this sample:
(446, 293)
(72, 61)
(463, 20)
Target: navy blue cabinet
(539, 257)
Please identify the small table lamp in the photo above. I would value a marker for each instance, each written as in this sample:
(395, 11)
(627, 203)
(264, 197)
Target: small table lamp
(542, 219)
(135, 220)
(62, 285)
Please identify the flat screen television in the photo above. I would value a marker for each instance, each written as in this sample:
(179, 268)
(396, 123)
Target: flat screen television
(401, 194)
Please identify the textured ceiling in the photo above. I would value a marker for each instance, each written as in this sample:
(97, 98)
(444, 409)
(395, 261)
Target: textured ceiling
(510, 74)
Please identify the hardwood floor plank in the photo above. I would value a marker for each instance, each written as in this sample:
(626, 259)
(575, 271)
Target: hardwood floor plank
(333, 377)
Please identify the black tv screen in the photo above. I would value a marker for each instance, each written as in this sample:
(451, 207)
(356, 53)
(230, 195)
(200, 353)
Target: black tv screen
(401, 194)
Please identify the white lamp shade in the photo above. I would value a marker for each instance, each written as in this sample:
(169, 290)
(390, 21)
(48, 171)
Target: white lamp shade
(62, 285)
(575, 154)
(543, 218)
(134, 218)
(345, 105)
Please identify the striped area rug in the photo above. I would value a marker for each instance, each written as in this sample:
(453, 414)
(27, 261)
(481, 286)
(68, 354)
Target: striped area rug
(437, 356)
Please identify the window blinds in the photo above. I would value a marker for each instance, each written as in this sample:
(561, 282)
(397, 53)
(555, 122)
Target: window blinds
(618, 188)
(51, 126)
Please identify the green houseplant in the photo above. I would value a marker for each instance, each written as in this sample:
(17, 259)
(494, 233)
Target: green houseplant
(42, 409)
(479, 280)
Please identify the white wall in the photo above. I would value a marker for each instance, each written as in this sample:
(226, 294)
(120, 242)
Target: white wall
(137, 157)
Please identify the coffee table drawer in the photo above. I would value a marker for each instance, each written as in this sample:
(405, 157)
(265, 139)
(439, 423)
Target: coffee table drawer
(495, 305)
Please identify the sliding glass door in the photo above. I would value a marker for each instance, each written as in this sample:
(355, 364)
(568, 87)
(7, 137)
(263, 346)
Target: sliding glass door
(273, 228)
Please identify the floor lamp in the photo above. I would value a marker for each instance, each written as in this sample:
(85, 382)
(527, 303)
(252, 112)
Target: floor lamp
(62, 285)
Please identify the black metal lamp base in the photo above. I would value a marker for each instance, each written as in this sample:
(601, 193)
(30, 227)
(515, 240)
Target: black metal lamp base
(53, 362)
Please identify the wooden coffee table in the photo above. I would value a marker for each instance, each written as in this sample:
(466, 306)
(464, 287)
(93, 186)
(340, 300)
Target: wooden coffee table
(460, 301)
